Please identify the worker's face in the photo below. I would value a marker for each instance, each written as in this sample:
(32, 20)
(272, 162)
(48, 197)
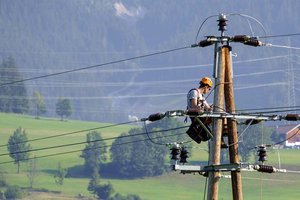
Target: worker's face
(207, 89)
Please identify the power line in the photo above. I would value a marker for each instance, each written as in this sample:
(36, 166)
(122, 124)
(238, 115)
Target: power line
(153, 68)
(267, 108)
(75, 151)
(280, 142)
(93, 66)
(71, 133)
(75, 84)
(79, 143)
(282, 46)
(283, 35)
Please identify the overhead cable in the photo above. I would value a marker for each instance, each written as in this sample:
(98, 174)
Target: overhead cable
(75, 151)
(93, 66)
(71, 133)
(79, 143)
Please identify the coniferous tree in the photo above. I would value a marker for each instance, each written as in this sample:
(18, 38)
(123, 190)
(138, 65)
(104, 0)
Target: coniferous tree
(13, 93)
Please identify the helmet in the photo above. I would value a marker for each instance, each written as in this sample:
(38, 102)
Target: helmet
(207, 81)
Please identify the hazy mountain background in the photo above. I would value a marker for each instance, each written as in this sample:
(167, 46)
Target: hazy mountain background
(50, 36)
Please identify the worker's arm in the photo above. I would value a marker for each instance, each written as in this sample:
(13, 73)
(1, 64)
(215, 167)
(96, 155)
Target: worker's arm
(194, 103)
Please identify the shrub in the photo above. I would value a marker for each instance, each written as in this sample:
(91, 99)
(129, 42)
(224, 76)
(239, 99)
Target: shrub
(13, 192)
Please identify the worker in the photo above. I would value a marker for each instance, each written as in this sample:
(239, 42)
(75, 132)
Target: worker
(196, 100)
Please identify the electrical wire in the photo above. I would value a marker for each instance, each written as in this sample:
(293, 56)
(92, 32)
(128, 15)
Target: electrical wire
(79, 143)
(200, 27)
(282, 46)
(267, 108)
(154, 68)
(70, 133)
(93, 66)
(240, 135)
(158, 143)
(283, 35)
(75, 151)
(287, 138)
(280, 142)
(233, 14)
(253, 18)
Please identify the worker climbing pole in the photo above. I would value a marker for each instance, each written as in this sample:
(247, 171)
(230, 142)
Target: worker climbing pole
(224, 121)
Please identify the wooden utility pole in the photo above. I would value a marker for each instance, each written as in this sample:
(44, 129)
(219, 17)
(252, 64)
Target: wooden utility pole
(215, 144)
(236, 180)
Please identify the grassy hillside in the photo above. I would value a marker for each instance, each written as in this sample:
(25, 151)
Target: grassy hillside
(173, 186)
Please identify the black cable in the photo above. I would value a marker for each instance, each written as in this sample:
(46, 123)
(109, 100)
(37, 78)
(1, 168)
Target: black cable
(145, 127)
(75, 151)
(280, 141)
(78, 143)
(287, 138)
(70, 133)
(93, 66)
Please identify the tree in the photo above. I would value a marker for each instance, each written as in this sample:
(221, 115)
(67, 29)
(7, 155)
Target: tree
(17, 146)
(3, 181)
(95, 180)
(104, 191)
(59, 175)
(38, 104)
(13, 97)
(143, 158)
(32, 171)
(94, 152)
(63, 108)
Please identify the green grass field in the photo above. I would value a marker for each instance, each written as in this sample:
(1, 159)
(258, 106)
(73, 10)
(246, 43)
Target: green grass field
(173, 185)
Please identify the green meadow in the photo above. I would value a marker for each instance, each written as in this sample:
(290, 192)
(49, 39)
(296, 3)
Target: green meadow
(173, 186)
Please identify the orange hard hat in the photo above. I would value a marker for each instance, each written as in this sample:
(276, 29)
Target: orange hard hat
(207, 81)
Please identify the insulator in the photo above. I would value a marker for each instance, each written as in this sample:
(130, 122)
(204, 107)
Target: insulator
(240, 38)
(266, 169)
(292, 117)
(156, 116)
(222, 22)
(262, 153)
(194, 112)
(183, 155)
(175, 151)
(254, 43)
(205, 43)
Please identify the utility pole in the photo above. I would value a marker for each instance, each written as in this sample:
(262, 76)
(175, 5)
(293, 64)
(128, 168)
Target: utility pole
(215, 144)
(224, 84)
(236, 179)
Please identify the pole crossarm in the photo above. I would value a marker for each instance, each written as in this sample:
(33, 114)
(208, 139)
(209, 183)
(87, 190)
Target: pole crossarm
(192, 169)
